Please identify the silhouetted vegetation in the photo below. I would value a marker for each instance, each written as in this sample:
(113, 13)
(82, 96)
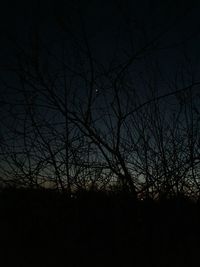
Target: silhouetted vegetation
(100, 138)
(73, 120)
(45, 228)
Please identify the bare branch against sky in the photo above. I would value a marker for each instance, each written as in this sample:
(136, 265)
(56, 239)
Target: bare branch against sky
(101, 94)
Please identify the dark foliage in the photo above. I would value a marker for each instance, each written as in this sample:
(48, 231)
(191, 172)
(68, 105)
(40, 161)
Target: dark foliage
(45, 228)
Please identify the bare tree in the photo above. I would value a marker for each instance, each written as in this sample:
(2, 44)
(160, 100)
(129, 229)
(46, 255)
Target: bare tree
(82, 121)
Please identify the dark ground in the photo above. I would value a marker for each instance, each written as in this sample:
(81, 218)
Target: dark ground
(94, 229)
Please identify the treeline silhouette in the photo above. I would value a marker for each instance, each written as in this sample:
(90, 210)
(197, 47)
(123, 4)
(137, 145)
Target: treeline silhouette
(97, 228)
(99, 141)
(74, 119)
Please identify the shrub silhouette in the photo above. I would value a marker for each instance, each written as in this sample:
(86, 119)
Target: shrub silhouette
(44, 228)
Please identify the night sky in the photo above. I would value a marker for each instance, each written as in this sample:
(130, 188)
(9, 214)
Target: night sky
(146, 49)
(100, 132)
(173, 24)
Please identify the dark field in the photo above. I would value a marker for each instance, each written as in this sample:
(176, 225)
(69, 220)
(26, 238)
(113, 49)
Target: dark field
(43, 228)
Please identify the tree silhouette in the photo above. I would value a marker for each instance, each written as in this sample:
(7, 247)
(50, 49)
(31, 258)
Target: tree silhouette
(78, 121)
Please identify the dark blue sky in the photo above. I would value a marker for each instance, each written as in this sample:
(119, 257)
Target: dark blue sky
(115, 30)
(133, 47)
(102, 18)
